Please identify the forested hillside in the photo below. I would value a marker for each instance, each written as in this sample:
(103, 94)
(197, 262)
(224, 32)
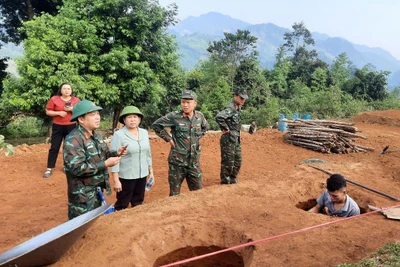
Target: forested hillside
(193, 34)
(96, 49)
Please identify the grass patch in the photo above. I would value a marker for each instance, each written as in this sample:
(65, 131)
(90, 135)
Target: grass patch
(389, 255)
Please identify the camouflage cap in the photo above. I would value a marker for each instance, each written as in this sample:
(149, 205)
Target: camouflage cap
(188, 94)
(242, 93)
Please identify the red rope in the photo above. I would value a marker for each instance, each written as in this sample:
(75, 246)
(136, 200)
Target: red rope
(275, 237)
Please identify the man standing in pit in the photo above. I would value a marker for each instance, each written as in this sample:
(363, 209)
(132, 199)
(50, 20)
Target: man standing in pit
(334, 201)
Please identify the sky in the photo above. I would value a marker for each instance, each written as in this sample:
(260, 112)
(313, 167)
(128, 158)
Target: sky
(375, 23)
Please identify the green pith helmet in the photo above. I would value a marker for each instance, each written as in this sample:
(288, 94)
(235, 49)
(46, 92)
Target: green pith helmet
(83, 107)
(129, 110)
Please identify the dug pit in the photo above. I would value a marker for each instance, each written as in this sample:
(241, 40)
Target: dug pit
(308, 204)
(229, 258)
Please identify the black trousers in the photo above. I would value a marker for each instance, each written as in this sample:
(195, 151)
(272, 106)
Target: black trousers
(59, 132)
(132, 192)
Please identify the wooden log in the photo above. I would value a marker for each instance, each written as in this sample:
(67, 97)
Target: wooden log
(320, 129)
(345, 142)
(326, 121)
(310, 146)
(364, 147)
(354, 135)
(306, 141)
(344, 128)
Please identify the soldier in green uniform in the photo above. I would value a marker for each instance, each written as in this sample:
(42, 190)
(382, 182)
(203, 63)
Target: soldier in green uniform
(253, 127)
(86, 159)
(187, 127)
(231, 151)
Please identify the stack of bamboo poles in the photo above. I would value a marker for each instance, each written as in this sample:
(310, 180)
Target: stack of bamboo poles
(324, 136)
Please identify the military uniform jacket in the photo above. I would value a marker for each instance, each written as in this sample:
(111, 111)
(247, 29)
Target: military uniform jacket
(84, 161)
(229, 118)
(186, 134)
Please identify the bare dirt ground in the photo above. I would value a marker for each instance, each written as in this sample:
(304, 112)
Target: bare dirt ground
(166, 229)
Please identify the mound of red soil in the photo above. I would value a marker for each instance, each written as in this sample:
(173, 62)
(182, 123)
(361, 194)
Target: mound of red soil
(387, 117)
(269, 202)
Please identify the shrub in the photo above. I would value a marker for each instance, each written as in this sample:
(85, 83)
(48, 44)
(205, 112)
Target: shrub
(264, 115)
(390, 102)
(23, 127)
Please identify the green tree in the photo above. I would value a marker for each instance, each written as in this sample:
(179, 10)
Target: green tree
(368, 84)
(341, 70)
(212, 100)
(249, 76)
(319, 79)
(114, 52)
(14, 12)
(231, 50)
(327, 103)
(278, 78)
(304, 57)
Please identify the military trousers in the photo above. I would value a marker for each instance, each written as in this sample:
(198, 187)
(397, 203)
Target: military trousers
(231, 158)
(89, 200)
(176, 175)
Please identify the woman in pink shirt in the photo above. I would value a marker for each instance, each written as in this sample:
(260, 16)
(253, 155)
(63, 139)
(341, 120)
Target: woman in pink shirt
(60, 108)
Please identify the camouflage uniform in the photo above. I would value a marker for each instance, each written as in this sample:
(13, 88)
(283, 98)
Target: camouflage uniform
(231, 149)
(252, 128)
(184, 158)
(84, 156)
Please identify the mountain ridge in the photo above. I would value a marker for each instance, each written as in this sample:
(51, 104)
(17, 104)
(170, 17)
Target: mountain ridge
(270, 37)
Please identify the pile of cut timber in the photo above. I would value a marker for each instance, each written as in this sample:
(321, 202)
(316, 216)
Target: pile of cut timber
(324, 136)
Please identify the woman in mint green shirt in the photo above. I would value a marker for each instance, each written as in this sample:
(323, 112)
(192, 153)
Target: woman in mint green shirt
(135, 168)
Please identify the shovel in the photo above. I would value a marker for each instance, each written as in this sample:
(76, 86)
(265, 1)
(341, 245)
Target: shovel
(392, 213)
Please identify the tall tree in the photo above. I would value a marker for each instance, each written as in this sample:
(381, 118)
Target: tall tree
(319, 80)
(300, 37)
(279, 75)
(233, 49)
(14, 12)
(341, 69)
(250, 77)
(304, 59)
(368, 84)
(114, 52)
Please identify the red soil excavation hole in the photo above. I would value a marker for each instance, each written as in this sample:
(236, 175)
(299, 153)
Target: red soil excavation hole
(226, 259)
(306, 205)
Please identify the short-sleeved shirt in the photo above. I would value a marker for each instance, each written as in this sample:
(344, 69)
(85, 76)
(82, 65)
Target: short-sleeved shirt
(57, 104)
(350, 208)
(186, 133)
(229, 119)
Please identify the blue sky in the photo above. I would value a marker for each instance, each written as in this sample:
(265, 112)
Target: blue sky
(375, 23)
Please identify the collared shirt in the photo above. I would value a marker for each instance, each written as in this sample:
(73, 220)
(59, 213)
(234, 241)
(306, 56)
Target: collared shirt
(135, 164)
(57, 104)
(350, 207)
(186, 133)
(229, 118)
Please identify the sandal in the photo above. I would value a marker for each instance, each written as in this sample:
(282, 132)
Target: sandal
(47, 174)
